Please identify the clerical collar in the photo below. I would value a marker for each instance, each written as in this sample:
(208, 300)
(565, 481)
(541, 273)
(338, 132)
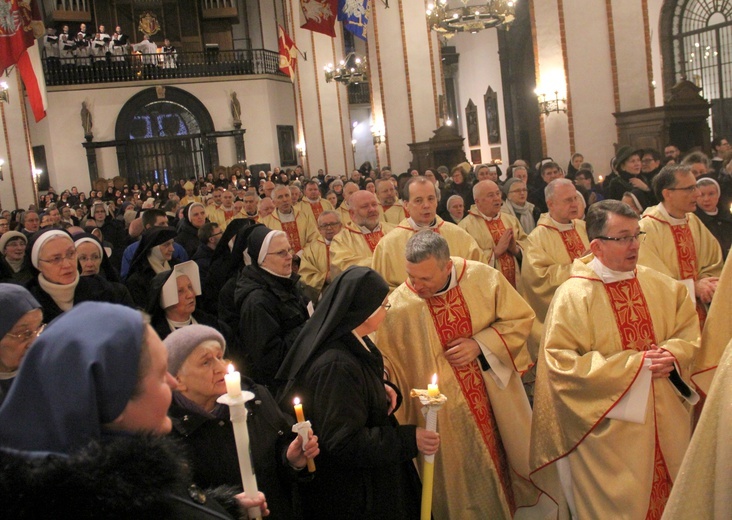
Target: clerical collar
(608, 275)
(327, 242)
(286, 217)
(486, 217)
(417, 227)
(672, 220)
(559, 226)
(311, 201)
(367, 231)
(451, 282)
(714, 214)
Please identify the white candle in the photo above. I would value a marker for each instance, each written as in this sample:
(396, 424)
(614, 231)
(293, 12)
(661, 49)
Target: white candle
(432, 389)
(233, 382)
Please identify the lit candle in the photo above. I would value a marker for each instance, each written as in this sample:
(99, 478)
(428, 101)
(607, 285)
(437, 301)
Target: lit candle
(302, 428)
(298, 410)
(233, 382)
(432, 389)
(600, 178)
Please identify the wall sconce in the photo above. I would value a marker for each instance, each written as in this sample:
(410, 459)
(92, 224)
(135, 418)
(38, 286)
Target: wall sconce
(379, 138)
(2, 163)
(547, 105)
(300, 149)
(353, 145)
(37, 175)
(4, 92)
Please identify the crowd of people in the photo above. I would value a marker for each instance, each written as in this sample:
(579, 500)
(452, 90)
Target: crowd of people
(561, 312)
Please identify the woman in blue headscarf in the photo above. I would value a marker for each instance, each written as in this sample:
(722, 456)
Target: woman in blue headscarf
(79, 430)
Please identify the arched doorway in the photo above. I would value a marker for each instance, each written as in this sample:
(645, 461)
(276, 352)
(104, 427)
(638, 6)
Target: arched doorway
(696, 39)
(166, 133)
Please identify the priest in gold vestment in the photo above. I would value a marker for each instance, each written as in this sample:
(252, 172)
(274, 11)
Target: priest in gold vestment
(315, 263)
(356, 243)
(299, 227)
(558, 239)
(498, 234)
(392, 209)
(389, 259)
(677, 243)
(463, 321)
(312, 203)
(610, 416)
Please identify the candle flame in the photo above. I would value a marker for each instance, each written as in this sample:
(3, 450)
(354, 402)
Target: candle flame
(434, 378)
(296, 401)
(231, 368)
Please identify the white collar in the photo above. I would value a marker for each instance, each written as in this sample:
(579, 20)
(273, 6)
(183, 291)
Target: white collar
(417, 227)
(559, 226)
(607, 275)
(672, 220)
(453, 281)
(367, 231)
(486, 217)
(287, 217)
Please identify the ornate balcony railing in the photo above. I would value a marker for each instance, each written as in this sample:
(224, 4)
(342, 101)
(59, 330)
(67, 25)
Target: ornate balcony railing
(137, 67)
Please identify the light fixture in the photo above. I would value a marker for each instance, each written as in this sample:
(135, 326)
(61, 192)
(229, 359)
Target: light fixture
(2, 163)
(351, 70)
(300, 149)
(4, 92)
(37, 174)
(448, 21)
(448, 122)
(548, 104)
(379, 138)
(353, 144)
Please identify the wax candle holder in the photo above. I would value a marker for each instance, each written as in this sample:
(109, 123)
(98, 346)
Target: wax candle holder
(430, 406)
(238, 416)
(302, 428)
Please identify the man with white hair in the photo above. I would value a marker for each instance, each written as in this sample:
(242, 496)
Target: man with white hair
(498, 234)
(389, 259)
(266, 207)
(298, 226)
(392, 210)
(552, 246)
(356, 243)
(348, 189)
(315, 264)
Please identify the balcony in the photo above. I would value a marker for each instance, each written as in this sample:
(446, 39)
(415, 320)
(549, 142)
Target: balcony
(139, 67)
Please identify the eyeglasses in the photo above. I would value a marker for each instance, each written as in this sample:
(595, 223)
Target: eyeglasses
(28, 334)
(626, 240)
(58, 260)
(386, 306)
(523, 190)
(284, 253)
(688, 189)
(93, 258)
(329, 225)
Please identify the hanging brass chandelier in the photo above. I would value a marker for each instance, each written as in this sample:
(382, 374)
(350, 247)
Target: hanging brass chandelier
(448, 21)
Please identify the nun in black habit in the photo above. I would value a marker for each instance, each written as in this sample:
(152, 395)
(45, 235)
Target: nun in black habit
(80, 430)
(154, 255)
(365, 467)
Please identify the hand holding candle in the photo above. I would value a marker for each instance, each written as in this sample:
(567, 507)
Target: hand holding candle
(302, 428)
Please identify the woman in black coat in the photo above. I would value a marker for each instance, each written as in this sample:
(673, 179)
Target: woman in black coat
(365, 468)
(272, 308)
(79, 430)
(154, 255)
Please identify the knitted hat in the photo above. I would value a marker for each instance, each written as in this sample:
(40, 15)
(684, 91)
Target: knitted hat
(623, 154)
(183, 341)
(507, 185)
(15, 301)
(11, 235)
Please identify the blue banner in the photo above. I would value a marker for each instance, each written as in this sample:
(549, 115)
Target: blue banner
(355, 16)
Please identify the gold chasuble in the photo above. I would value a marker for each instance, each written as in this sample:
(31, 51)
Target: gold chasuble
(389, 260)
(314, 209)
(314, 265)
(481, 469)
(702, 489)
(615, 459)
(351, 246)
(682, 249)
(716, 334)
(393, 214)
(548, 255)
(487, 232)
(300, 232)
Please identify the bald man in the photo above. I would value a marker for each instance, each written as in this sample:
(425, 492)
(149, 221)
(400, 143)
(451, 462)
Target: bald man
(349, 189)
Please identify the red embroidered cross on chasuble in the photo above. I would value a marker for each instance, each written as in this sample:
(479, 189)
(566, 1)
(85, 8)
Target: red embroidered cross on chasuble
(317, 208)
(506, 261)
(686, 256)
(572, 243)
(290, 228)
(372, 239)
(635, 325)
(451, 317)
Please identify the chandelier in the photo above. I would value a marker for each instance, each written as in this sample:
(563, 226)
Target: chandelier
(448, 21)
(351, 70)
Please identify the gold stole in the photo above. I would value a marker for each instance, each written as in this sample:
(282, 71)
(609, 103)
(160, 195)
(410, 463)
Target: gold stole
(451, 317)
(572, 243)
(290, 228)
(505, 261)
(372, 239)
(317, 208)
(686, 256)
(635, 325)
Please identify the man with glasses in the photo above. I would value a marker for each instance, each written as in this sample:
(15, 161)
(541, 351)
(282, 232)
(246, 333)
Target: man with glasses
(498, 234)
(611, 403)
(355, 245)
(315, 262)
(678, 244)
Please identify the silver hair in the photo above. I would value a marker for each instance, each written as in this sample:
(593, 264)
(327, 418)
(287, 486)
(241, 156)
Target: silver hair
(328, 213)
(426, 244)
(454, 197)
(552, 187)
(278, 188)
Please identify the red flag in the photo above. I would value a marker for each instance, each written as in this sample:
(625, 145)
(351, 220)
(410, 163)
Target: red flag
(319, 16)
(20, 25)
(288, 53)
